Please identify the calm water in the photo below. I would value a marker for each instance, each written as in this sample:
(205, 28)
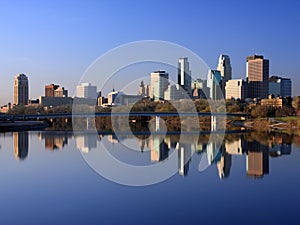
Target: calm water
(45, 179)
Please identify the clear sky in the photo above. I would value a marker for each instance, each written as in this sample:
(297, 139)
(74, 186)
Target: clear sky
(55, 41)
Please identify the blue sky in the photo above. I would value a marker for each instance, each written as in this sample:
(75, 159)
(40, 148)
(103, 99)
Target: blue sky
(55, 41)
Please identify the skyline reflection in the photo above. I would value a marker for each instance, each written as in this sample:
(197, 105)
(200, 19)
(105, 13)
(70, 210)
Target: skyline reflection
(157, 148)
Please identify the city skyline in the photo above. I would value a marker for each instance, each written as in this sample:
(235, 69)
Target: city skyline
(55, 42)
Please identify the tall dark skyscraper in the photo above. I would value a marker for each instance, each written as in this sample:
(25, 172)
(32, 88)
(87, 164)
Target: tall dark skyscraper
(257, 76)
(184, 75)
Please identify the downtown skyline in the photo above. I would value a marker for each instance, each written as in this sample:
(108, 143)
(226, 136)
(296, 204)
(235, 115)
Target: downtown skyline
(56, 42)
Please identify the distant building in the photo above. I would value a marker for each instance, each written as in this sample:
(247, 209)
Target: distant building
(214, 83)
(172, 93)
(236, 89)
(184, 75)
(224, 66)
(199, 89)
(159, 84)
(278, 102)
(87, 91)
(257, 76)
(54, 90)
(279, 86)
(55, 101)
(21, 89)
(112, 97)
(144, 90)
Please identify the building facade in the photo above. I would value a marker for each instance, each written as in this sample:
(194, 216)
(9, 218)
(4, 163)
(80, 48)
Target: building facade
(214, 83)
(236, 89)
(54, 90)
(21, 89)
(279, 86)
(87, 91)
(257, 69)
(184, 75)
(159, 84)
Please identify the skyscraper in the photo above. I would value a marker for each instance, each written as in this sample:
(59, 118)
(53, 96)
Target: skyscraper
(21, 87)
(184, 75)
(225, 69)
(258, 76)
(159, 84)
(214, 84)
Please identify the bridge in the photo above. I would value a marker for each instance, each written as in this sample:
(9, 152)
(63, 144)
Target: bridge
(113, 114)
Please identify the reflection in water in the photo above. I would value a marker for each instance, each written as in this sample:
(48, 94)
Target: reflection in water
(21, 145)
(256, 151)
(54, 141)
(86, 142)
(257, 163)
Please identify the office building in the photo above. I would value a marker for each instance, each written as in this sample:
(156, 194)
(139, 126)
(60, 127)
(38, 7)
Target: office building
(184, 75)
(257, 76)
(236, 89)
(279, 86)
(54, 90)
(159, 84)
(214, 84)
(224, 66)
(21, 89)
(87, 91)
(172, 93)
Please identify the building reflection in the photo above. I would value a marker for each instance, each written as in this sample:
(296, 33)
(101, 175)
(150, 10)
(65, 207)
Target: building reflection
(86, 142)
(184, 158)
(54, 141)
(220, 154)
(159, 150)
(257, 159)
(21, 145)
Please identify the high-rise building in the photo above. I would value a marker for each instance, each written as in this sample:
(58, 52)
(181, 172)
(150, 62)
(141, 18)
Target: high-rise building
(87, 90)
(214, 83)
(184, 75)
(21, 89)
(236, 89)
(159, 84)
(224, 66)
(279, 86)
(257, 76)
(54, 90)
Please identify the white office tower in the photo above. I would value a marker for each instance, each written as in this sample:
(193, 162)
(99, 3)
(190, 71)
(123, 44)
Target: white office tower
(86, 90)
